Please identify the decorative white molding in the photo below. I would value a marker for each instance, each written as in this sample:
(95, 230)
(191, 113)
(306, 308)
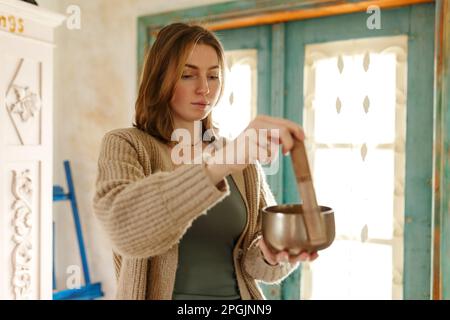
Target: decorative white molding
(32, 13)
(340, 64)
(366, 62)
(399, 52)
(27, 103)
(28, 37)
(22, 190)
(22, 100)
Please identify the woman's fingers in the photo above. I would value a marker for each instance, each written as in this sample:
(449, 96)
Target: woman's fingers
(268, 149)
(265, 134)
(313, 256)
(287, 130)
(293, 128)
(283, 256)
(268, 254)
(283, 135)
(303, 256)
(286, 140)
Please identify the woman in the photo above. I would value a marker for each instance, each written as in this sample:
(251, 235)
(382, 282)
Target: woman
(187, 231)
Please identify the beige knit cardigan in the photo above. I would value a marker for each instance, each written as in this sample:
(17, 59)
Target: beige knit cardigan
(145, 205)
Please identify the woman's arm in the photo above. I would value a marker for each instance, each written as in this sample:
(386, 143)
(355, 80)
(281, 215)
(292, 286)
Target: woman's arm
(144, 215)
(255, 264)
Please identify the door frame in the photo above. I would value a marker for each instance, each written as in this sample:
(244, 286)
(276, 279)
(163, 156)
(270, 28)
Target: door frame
(238, 14)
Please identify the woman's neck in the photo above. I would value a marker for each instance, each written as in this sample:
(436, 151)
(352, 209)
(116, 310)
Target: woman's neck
(195, 131)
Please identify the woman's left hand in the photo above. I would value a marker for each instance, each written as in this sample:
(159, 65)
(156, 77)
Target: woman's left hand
(283, 256)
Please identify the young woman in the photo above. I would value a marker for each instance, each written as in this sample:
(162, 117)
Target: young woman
(187, 231)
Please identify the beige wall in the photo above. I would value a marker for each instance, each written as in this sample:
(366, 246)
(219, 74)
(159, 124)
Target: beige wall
(95, 85)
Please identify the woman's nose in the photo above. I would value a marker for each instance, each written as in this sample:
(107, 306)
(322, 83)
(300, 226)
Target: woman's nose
(203, 87)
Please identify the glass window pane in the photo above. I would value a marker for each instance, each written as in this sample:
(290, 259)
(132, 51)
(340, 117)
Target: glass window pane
(351, 122)
(355, 122)
(238, 104)
(360, 192)
(353, 263)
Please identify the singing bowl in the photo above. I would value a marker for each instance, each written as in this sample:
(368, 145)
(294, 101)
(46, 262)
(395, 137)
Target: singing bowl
(284, 229)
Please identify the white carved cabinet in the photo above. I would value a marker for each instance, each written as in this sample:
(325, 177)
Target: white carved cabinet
(26, 149)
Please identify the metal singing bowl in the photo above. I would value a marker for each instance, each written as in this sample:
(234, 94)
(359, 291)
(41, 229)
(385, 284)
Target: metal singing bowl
(284, 229)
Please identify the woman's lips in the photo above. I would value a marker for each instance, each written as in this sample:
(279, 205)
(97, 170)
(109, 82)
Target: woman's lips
(200, 105)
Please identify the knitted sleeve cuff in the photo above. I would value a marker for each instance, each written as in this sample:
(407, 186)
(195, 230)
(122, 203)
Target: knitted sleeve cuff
(260, 270)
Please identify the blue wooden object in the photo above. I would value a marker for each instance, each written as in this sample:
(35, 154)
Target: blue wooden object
(89, 290)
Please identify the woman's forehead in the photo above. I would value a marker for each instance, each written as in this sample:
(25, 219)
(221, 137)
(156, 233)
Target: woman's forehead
(203, 57)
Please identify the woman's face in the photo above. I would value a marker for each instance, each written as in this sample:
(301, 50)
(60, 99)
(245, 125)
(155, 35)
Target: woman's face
(198, 89)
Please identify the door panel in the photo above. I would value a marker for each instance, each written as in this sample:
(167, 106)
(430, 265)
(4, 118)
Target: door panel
(417, 23)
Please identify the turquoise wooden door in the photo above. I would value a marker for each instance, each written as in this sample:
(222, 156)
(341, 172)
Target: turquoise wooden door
(416, 22)
(281, 58)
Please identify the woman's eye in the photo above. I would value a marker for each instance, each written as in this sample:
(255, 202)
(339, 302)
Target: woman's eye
(214, 77)
(186, 76)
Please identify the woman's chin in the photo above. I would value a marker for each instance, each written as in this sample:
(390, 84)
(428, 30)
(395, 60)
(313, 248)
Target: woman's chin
(194, 119)
(200, 115)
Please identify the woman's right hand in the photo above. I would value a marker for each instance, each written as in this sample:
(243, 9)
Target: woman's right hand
(255, 145)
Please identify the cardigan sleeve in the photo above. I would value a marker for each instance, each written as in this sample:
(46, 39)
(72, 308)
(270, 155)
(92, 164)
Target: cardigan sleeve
(145, 215)
(254, 262)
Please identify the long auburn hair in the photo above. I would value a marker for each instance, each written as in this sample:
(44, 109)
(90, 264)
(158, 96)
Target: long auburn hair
(163, 67)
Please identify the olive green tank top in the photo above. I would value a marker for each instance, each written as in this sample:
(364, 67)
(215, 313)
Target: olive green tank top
(205, 262)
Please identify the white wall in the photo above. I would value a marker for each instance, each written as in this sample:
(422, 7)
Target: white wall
(95, 86)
